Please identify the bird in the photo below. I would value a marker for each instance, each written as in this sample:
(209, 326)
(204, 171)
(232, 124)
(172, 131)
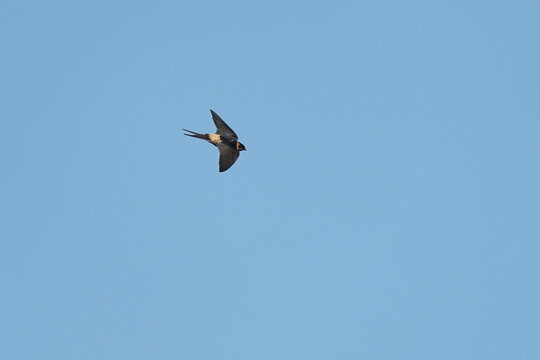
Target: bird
(225, 139)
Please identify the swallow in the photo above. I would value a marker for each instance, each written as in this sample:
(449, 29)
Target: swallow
(225, 139)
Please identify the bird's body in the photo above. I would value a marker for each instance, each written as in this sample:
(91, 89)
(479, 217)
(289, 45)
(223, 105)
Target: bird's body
(225, 139)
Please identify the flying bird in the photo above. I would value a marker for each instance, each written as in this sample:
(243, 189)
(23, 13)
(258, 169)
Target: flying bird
(225, 139)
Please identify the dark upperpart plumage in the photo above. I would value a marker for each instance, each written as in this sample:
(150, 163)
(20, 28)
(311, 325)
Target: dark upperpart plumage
(225, 139)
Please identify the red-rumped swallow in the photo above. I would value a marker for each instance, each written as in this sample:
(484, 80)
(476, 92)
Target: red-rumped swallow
(225, 139)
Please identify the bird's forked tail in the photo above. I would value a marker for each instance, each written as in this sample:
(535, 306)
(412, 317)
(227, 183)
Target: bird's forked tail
(195, 134)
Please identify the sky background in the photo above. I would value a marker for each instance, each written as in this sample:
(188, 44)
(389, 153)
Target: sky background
(387, 207)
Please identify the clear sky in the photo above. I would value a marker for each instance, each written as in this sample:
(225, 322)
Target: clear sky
(387, 207)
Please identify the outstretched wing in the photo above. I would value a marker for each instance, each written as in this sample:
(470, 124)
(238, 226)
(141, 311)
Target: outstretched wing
(222, 127)
(227, 156)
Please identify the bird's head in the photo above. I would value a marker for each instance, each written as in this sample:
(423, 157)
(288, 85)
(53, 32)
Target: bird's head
(240, 146)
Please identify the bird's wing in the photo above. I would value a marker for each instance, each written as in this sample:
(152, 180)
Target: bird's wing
(227, 156)
(222, 127)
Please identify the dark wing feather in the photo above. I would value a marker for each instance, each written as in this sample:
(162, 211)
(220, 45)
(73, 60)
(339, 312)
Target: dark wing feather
(222, 127)
(227, 156)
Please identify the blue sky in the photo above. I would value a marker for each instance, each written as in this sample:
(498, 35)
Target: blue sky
(387, 206)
